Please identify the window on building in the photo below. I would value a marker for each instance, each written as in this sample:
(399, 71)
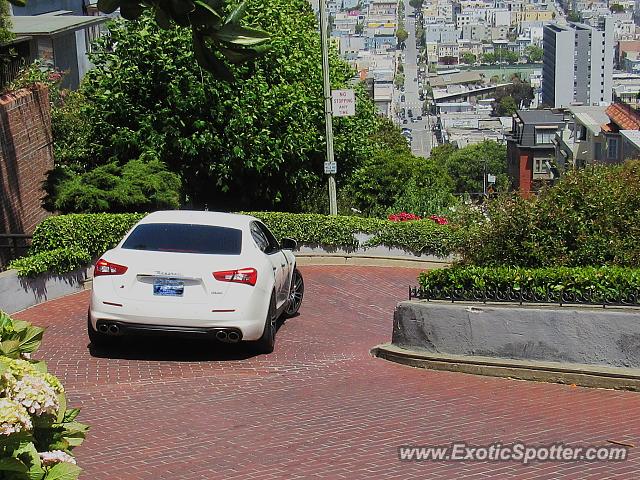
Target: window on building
(581, 132)
(540, 166)
(612, 149)
(544, 136)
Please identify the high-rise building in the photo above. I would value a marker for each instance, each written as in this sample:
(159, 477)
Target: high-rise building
(577, 64)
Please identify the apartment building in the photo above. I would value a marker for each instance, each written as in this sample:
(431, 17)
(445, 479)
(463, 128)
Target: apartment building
(577, 64)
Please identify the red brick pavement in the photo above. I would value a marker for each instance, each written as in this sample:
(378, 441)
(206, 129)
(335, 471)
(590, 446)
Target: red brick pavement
(320, 406)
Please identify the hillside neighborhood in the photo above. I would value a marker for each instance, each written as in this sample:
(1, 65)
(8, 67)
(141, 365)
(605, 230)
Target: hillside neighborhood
(336, 239)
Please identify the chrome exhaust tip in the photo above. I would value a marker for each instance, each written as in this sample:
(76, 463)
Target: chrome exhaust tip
(114, 329)
(222, 335)
(103, 328)
(233, 337)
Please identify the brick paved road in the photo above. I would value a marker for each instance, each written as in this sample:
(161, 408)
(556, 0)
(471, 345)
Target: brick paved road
(320, 406)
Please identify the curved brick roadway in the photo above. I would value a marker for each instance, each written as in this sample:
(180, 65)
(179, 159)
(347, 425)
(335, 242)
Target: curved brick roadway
(320, 406)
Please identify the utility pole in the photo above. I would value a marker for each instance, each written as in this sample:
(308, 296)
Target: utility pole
(333, 204)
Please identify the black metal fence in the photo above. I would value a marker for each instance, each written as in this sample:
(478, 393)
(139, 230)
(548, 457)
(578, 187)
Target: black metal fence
(528, 296)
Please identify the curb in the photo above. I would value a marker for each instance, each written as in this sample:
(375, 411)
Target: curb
(306, 259)
(594, 376)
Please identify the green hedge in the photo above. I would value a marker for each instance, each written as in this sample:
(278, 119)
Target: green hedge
(422, 236)
(64, 242)
(95, 233)
(59, 260)
(611, 282)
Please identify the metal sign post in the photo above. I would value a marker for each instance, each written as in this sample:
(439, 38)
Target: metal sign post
(333, 203)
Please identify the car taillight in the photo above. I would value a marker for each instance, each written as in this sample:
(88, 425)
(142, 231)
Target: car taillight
(106, 268)
(248, 276)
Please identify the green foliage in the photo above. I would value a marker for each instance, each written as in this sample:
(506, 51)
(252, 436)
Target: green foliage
(520, 92)
(534, 53)
(616, 8)
(64, 242)
(507, 106)
(258, 141)
(468, 58)
(573, 16)
(93, 233)
(417, 4)
(39, 432)
(421, 237)
(59, 260)
(5, 23)
(402, 35)
(398, 81)
(395, 181)
(466, 166)
(591, 217)
(500, 55)
(139, 185)
(595, 282)
(71, 129)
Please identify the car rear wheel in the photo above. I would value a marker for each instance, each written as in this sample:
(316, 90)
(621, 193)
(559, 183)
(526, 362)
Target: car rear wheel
(267, 341)
(296, 294)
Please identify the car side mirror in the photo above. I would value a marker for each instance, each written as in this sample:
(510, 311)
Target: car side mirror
(288, 244)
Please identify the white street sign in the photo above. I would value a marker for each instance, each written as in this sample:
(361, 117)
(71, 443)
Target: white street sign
(330, 167)
(343, 103)
(491, 178)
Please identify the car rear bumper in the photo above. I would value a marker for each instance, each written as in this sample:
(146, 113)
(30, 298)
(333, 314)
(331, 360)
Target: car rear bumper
(187, 320)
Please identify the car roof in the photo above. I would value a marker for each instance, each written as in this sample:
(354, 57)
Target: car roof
(199, 218)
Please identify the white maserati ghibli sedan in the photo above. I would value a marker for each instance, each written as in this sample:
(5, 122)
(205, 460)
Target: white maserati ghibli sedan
(196, 273)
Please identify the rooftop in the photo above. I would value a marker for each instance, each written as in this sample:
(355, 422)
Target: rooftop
(540, 117)
(591, 117)
(625, 117)
(633, 136)
(51, 25)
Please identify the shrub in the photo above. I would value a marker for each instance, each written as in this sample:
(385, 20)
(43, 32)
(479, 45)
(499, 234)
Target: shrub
(59, 260)
(37, 431)
(590, 217)
(65, 242)
(590, 282)
(94, 233)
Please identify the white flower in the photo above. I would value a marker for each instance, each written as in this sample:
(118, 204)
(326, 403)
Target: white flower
(13, 417)
(34, 393)
(56, 456)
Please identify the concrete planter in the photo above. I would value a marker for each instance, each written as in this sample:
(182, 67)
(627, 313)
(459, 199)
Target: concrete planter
(583, 345)
(594, 336)
(18, 293)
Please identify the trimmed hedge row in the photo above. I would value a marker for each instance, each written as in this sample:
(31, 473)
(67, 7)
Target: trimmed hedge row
(611, 282)
(64, 242)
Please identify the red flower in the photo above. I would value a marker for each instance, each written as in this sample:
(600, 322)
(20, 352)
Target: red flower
(439, 220)
(403, 217)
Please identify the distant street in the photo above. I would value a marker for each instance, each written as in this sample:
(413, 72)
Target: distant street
(420, 129)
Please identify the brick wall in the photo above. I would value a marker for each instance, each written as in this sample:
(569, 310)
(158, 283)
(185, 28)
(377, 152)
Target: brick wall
(26, 155)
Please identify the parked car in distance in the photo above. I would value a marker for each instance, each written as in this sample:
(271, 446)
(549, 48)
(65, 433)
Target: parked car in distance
(205, 274)
(405, 121)
(409, 113)
(419, 117)
(402, 98)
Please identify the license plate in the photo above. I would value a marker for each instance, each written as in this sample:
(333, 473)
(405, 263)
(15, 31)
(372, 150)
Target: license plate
(168, 288)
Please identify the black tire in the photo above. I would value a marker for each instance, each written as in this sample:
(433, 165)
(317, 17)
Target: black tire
(296, 294)
(266, 343)
(96, 338)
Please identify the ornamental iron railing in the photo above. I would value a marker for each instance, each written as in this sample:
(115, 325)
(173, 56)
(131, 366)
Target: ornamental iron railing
(528, 296)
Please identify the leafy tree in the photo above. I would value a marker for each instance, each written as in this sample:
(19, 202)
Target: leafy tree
(448, 60)
(5, 23)
(506, 107)
(489, 57)
(519, 91)
(215, 28)
(402, 35)
(468, 58)
(616, 8)
(574, 16)
(417, 4)
(466, 166)
(255, 143)
(534, 53)
(398, 81)
(395, 180)
(359, 30)
(139, 185)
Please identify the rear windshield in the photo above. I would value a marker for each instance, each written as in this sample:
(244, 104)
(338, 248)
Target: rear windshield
(185, 238)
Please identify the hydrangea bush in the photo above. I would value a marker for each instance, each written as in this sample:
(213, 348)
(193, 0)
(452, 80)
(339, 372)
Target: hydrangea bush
(37, 431)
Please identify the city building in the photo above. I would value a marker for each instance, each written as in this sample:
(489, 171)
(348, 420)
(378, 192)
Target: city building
(577, 64)
(530, 148)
